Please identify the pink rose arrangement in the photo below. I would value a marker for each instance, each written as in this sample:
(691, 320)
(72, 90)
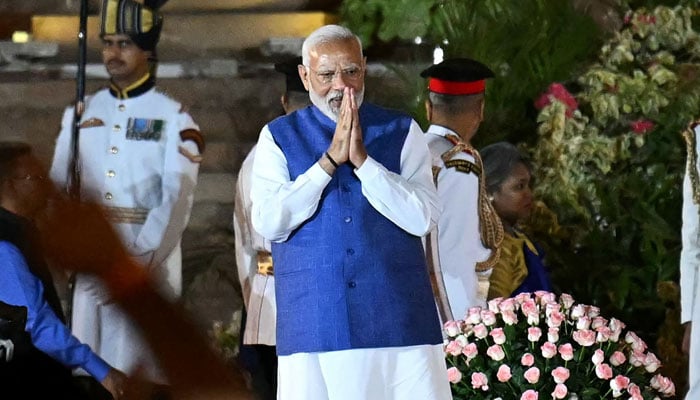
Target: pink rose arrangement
(538, 346)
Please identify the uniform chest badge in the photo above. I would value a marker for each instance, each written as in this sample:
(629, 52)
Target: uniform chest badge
(91, 123)
(144, 129)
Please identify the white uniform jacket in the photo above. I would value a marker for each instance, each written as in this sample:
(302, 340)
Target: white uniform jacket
(690, 262)
(258, 289)
(135, 159)
(458, 233)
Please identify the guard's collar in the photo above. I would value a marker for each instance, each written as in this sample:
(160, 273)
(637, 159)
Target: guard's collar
(141, 86)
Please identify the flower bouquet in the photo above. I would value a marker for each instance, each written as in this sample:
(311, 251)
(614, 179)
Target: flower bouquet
(535, 346)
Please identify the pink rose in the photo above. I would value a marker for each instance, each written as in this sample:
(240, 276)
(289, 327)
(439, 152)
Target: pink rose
(545, 297)
(470, 351)
(473, 316)
(454, 375)
(583, 323)
(617, 358)
(560, 391)
(603, 334)
(452, 328)
(527, 360)
(549, 350)
(509, 317)
(635, 341)
(520, 298)
(619, 383)
(532, 375)
(507, 305)
(598, 357)
(578, 311)
(480, 331)
(663, 385)
(566, 300)
(553, 335)
(534, 333)
(598, 322)
(560, 374)
(616, 327)
(635, 392)
(584, 337)
(603, 371)
(651, 363)
(453, 348)
(499, 337)
(529, 395)
(555, 319)
(592, 311)
(480, 381)
(503, 374)
(637, 358)
(462, 340)
(493, 304)
(566, 351)
(488, 317)
(495, 352)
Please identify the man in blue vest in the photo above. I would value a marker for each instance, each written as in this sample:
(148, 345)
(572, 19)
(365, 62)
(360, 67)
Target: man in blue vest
(344, 191)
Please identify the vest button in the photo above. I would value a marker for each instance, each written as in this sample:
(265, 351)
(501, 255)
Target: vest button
(108, 196)
(350, 251)
(348, 219)
(346, 188)
(352, 284)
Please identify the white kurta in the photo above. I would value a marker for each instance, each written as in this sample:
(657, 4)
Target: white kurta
(690, 278)
(118, 171)
(408, 199)
(258, 289)
(459, 237)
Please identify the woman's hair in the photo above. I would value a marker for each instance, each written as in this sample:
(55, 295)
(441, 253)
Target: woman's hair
(499, 160)
(9, 153)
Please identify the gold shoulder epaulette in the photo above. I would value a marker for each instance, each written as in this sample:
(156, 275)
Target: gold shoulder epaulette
(195, 136)
(692, 159)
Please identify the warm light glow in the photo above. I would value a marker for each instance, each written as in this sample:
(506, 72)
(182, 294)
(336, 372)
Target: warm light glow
(21, 37)
(438, 55)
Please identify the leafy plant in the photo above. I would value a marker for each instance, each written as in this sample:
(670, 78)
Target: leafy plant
(612, 169)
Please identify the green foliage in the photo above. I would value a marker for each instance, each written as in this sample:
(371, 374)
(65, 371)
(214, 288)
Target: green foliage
(617, 191)
(528, 44)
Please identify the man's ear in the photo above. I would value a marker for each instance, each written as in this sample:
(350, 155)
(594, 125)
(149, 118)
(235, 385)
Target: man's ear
(304, 75)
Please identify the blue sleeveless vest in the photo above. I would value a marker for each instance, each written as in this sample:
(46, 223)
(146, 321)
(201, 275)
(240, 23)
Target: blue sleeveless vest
(348, 277)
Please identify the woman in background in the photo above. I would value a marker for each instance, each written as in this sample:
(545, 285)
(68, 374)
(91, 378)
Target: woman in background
(521, 266)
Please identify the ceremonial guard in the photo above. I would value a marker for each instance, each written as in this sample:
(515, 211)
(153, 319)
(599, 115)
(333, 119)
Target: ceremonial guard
(690, 262)
(254, 260)
(464, 246)
(138, 155)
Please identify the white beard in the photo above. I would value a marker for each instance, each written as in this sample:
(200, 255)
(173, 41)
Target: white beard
(324, 103)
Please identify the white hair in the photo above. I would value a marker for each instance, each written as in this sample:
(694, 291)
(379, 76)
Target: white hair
(326, 34)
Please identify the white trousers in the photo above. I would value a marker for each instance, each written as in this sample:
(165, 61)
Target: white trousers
(393, 373)
(694, 356)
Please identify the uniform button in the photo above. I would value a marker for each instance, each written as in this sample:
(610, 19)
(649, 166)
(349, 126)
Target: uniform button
(111, 173)
(108, 196)
(122, 107)
(116, 128)
(348, 219)
(350, 251)
(352, 284)
(114, 150)
(346, 188)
